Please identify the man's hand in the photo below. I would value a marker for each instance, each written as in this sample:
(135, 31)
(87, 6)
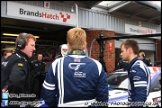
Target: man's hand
(4, 90)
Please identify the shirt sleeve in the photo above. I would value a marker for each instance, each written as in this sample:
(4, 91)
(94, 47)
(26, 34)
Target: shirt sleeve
(49, 87)
(139, 76)
(44, 66)
(17, 78)
(102, 88)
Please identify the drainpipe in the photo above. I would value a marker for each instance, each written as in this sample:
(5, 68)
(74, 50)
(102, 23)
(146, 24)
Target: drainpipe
(76, 7)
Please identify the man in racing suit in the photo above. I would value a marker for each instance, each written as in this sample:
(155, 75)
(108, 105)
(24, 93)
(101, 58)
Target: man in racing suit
(138, 74)
(63, 51)
(75, 80)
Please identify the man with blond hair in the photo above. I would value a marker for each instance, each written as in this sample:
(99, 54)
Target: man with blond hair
(75, 80)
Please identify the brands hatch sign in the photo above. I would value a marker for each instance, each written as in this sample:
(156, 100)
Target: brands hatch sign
(40, 14)
(132, 29)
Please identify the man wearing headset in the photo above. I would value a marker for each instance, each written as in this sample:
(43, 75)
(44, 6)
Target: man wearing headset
(145, 60)
(15, 78)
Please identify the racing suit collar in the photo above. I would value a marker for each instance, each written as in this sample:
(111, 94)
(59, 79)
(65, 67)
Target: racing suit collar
(131, 63)
(77, 52)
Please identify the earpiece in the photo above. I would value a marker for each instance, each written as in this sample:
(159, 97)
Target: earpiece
(21, 42)
(143, 54)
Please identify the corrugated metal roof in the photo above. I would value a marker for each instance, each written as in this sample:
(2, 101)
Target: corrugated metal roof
(135, 10)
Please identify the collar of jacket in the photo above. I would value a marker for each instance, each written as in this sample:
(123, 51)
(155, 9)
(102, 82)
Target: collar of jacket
(77, 52)
(22, 54)
(131, 63)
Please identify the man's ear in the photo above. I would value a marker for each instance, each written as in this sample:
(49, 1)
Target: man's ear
(129, 50)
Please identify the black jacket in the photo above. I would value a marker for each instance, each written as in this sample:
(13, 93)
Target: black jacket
(37, 76)
(3, 63)
(122, 64)
(37, 66)
(15, 76)
(147, 62)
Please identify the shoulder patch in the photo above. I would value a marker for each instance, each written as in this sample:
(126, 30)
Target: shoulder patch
(20, 65)
(4, 63)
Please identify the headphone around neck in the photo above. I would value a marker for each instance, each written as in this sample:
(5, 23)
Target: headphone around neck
(21, 42)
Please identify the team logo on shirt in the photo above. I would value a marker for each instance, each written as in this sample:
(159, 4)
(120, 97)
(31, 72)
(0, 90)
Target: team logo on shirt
(136, 78)
(133, 71)
(76, 60)
(76, 66)
(79, 74)
(77, 52)
(4, 63)
(20, 64)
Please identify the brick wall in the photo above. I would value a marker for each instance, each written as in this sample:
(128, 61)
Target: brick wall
(158, 51)
(108, 57)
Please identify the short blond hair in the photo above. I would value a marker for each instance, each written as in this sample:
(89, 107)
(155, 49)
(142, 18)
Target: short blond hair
(76, 37)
